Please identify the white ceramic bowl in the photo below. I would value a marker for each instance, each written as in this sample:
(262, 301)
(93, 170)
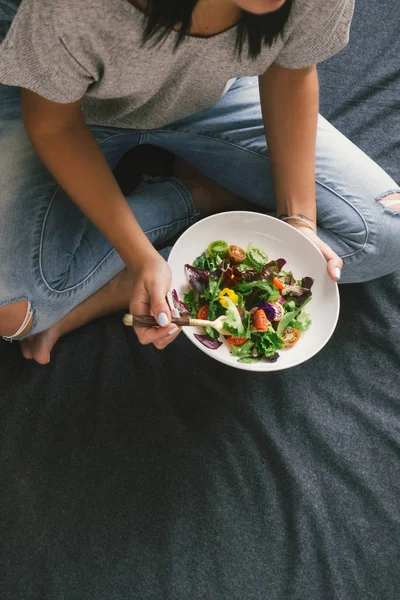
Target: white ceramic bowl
(278, 240)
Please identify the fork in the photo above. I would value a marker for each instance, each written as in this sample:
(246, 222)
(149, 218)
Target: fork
(148, 321)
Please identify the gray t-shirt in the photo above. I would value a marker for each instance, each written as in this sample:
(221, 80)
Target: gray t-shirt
(91, 49)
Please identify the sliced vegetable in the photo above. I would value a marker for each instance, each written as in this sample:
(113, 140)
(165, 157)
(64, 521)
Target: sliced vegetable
(236, 341)
(203, 311)
(236, 253)
(256, 256)
(288, 318)
(207, 341)
(218, 248)
(290, 336)
(278, 284)
(260, 321)
(279, 311)
(260, 303)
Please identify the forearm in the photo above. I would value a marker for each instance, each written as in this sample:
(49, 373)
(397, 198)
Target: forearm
(77, 164)
(289, 101)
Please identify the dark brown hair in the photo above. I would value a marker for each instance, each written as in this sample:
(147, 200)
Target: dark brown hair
(253, 31)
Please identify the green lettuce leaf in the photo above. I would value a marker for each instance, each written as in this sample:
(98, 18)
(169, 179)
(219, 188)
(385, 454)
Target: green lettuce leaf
(248, 286)
(268, 342)
(233, 322)
(302, 321)
(243, 350)
(250, 359)
(213, 333)
(190, 301)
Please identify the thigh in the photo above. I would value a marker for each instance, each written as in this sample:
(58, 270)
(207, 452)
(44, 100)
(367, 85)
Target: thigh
(50, 253)
(227, 143)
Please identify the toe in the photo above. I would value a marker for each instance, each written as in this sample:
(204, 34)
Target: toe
(26, 349)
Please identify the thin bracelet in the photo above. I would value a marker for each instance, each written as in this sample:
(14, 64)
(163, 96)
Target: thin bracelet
(306, 220)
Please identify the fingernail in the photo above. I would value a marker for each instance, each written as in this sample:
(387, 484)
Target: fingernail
(163, 319)
(172, 331)
(176, 313)
(338, 273)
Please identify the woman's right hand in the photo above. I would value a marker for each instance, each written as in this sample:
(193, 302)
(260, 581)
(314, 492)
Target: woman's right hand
(152, 281)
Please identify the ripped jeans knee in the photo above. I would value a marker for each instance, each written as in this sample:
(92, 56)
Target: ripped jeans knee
(390, 201)
(28, 320)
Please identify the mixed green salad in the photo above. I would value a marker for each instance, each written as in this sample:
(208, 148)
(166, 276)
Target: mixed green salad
(262, 304)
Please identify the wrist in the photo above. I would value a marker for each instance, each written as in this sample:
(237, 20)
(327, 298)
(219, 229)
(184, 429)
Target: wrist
(143, 259)
(299, 220)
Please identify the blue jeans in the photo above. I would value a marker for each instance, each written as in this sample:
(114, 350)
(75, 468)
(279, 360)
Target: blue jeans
(51, 255)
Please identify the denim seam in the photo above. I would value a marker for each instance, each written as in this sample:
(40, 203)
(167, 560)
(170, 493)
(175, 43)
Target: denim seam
(43, 279)
(189, 217)
(232, 143)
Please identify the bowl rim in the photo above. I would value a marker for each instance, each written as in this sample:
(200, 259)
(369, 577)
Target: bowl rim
(269, 367)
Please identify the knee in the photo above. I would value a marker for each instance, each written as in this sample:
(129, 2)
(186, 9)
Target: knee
(13, 317)
(390, 202)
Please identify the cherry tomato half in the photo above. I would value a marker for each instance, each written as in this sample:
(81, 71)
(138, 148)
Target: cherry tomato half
(290, 336)
(203, 311)
(236, 341)
(260, 321)
(237, 254)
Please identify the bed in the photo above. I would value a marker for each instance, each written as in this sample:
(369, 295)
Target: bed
(131, 473)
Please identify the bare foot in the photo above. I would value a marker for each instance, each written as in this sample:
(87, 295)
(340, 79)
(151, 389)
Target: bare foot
(109, 299)
(209, 198)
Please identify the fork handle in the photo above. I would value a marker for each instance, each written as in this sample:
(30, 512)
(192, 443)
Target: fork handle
(148, 321)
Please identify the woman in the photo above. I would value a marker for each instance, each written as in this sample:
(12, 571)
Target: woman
(84, 82)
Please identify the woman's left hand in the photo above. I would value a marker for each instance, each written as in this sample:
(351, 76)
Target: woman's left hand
(335, 263)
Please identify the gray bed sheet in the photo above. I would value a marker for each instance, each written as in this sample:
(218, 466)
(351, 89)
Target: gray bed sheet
(130, 473)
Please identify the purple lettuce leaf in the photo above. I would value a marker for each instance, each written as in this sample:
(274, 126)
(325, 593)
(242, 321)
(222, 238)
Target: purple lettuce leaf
(300, 300)
(207, 341)
(273, 358)
(181, 306)
(307, 282)
(198, 278)
(270, 270)
(281, 263)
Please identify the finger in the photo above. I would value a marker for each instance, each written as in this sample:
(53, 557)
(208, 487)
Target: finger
(335, 263)
(172, 335)
(159, 336)
(159, 305)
